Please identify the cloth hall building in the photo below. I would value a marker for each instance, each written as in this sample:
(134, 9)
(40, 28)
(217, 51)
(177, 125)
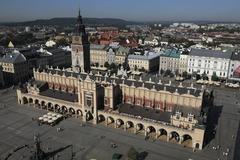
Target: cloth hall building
(138, 105)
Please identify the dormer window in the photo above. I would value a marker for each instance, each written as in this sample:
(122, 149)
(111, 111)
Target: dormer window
(190, 117)
(178, 114)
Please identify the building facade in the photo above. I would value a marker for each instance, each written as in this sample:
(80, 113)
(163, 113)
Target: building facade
(234, 67)
(209, 62)
(98, 54)
(14, 67)
(183, 63)
(146, 107)
(147, 62)
(169, 61)
(121, 55)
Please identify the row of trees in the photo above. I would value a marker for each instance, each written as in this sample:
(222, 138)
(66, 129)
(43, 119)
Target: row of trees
(18, 39)
(185, 75)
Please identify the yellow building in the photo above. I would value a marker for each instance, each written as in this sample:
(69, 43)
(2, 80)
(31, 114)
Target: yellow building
(147, 62)
(98, 54)
(138, 105)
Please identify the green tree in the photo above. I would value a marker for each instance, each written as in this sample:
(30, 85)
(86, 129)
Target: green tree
(176, 72)
(161, 71)
(185, 74)
(142, 69)
(135, 68)
(168, 72)
(106, 64)
(62, 42)
(215, 77)
(204, 76)
(112, 66)
(97, 64)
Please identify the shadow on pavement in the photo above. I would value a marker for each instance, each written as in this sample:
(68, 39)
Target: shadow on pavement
(53, 153)
(142, 155)
(212, 123)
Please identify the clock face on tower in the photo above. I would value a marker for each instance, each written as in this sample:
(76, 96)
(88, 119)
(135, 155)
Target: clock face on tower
(76, 39)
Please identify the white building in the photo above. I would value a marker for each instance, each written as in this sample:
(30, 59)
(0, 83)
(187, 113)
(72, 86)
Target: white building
(151, 41)
(209, 61)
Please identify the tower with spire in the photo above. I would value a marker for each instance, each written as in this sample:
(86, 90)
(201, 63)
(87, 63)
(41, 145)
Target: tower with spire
(80, 47)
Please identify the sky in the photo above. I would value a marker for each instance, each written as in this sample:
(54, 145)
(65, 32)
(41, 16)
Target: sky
(134, 10)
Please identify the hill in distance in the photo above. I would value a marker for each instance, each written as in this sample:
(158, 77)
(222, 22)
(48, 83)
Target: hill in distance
(72, 21)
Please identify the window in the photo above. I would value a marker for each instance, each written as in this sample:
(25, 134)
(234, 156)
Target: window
(106, 101)
(88, 100)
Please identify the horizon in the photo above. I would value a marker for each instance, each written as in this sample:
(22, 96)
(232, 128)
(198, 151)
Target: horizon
(154, 11)
(137, 21)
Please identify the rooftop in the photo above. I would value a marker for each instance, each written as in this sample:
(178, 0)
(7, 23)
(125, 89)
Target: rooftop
(145, 112)
(97, 47)
(210, 53)
(13, 57)
(146, 56)
(60, 95)
(173, 53)
(235, 56)
(136, 81)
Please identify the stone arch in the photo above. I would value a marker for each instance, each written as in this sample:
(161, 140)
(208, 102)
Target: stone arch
(187, 140)
(89, 116)
(151, 132)
(163, 134)
(43, 103)
(72, 111)
(174, 137)
(24, 100)
(101, 118)
(140, 128)
(50, 106)
(110, 120)
(150, 129)
(79, 112)
(197, 145)
(119, 123)
(30, 100)
(57, 108)
(129, 124)
(36, 101)
(64, 109)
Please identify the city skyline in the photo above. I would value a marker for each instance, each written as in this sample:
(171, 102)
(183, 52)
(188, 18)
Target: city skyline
(173, 10)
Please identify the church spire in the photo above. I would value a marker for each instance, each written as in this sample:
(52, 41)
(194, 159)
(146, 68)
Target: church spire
(80, 26)
(79, 17)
